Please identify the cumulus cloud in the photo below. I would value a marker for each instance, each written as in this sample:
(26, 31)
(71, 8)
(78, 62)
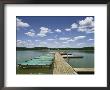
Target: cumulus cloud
(67, 29)
(90, 39)
(64, 46)
(75, 38)
(87, 22)
(90, 30)
(37, 40)
(27, 43)
(31, 34)
(85, 29)
(79, 37)
(71, 40)
(74, 25)
(20, 43)
(58, 30)
(86, 25)
(50, 39)
(43, 44)
(21, 24)
(41, 35)
(65, 42)
(79, 44)
(44, 31)
(63, 38)
(29, 40)
(32, 30)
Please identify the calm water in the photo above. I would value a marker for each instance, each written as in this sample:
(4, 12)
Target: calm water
(86, 62)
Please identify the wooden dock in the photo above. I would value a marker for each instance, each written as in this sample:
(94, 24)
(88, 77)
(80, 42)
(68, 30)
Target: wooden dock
(61, 66)
(84, 70)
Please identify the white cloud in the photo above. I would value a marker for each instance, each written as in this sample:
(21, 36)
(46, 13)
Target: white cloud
(65, 42)
(86, 25)
(71, 40)
(87, 22)
(50, 39)
(27, 43)
(79, 37)
(56, 42)
(32, 30)
(58, 30)
(64, 45)
(56, 36)
(19, 40)
(37, 40)
(79, 44)
(76, 38)
(30, 45)
(63, 38)
(43, 44)
(50, 31)
(31, 34)
(29, 40)
(44, 31)
(74, 25)
(82, 29)
(85, 29)
(21, 24)
(90, 30)
(41, 35)
(90, 39)
(68, 29)
(21, 43)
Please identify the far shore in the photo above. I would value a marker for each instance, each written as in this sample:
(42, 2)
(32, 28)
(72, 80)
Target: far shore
(46, 48)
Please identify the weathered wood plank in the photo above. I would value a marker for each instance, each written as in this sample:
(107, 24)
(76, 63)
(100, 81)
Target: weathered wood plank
(61, 66)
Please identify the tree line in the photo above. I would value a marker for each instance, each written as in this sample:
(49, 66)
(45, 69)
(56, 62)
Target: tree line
(46, 48)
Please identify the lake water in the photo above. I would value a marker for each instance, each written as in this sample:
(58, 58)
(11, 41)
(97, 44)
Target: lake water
(86, 62)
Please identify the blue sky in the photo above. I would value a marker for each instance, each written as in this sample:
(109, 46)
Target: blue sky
(55, 31)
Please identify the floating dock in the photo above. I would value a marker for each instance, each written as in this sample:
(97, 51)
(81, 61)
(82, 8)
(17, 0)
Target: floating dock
(61, 66)
(42, 61)
(71, 56)
(84, 70)
(56, 63)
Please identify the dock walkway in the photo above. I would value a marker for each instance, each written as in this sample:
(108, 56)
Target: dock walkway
(61, 66)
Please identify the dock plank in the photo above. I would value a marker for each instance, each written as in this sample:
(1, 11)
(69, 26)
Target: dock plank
(61, 66)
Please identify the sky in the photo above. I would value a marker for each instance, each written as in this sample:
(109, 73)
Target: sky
(55, 31)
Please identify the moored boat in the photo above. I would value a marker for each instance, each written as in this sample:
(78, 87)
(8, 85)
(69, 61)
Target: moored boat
(71, 56)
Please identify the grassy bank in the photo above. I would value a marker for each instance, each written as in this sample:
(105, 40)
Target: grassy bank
(34, 71)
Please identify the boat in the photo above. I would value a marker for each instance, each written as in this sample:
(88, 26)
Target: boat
(66, 54)
(71, 56)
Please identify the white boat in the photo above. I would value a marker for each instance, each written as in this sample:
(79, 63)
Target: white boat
(71, 56)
